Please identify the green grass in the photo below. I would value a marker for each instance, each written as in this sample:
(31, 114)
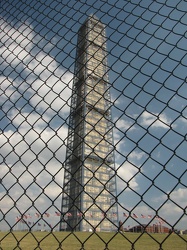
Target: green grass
(99, 241)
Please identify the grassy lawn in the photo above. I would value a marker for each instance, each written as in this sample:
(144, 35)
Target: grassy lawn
(89, 241)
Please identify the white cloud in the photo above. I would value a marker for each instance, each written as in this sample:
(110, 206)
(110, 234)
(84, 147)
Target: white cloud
(32, 187)
(126, 172)
(172, 206)
(120, 127)
(30, 143)
(124, 125)
(115, 100)
(180, 196)
(53, 190)
(7, 88)
(32, 149)
(182, 120)
(54, 93)
(46, 84)
(17, 43)
(134, 155)
(155, 120)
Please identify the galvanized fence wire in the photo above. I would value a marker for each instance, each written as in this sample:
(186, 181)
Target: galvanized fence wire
(50, 96)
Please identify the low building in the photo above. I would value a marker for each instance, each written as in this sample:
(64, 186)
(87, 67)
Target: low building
(155, 228)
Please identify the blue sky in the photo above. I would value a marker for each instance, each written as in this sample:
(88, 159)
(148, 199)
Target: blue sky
(146, 43)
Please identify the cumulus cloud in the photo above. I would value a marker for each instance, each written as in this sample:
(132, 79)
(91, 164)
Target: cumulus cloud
(124, 125)
(40, 78)
(180, 197)
(127, 173)
(171, 207)
(35, 98)
(121, 126)
(136, 156)
(155, 120)
(17, 43)
(27, 189)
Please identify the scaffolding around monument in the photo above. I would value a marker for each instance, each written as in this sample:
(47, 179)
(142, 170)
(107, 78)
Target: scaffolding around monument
(89, 188)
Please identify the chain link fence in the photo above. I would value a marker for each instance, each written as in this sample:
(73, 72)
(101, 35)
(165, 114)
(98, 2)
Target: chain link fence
(146, 58)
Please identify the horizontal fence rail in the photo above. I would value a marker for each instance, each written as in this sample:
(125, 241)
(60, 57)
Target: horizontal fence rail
(93, 124)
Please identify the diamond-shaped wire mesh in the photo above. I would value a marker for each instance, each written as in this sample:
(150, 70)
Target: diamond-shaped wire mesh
(45, 80)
